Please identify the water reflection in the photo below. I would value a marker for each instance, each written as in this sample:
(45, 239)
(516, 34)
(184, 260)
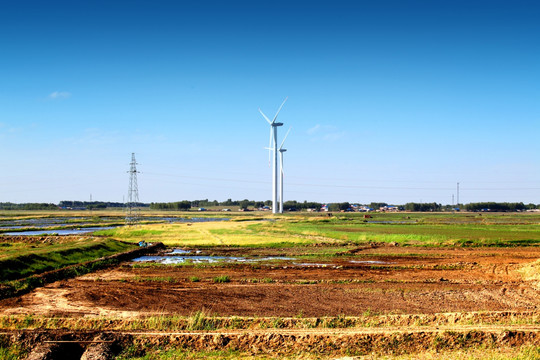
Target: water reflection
(198, 259)
(60, 231)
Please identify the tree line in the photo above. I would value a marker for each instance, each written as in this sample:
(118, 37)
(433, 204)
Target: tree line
(494, 206)
(28, 206)
(66, 204)
(423, 207)
(288, 205)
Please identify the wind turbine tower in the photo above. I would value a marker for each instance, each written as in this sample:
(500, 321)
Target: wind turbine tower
(281, 151)
(273, 146)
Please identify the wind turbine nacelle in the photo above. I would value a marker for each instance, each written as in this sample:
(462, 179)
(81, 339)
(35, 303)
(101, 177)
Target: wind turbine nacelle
(277, 124)
(282, 150)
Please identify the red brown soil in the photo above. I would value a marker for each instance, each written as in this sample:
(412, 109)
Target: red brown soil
(407, 281)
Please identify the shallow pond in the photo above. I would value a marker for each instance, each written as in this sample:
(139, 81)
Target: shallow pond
(369, 262)
(182, 256)
(49, 224)
(390, 222)
(183, 220)
(198, 259)
(59, 232)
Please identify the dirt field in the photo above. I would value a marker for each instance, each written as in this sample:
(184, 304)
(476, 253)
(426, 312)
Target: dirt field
(381, 280)
(312, 289)
(373, 300)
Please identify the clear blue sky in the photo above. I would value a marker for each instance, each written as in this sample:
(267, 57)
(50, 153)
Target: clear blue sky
(392, 101)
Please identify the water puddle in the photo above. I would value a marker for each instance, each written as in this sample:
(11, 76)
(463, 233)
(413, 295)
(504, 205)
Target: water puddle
(182, 251)
(43, 222)
(313, 264)
(183, 256)
(186, 259)
(390, 222)
(60, 231)
(201, 259)
(40, 226)
(184, 220)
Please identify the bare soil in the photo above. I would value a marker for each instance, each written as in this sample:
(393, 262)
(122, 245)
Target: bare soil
(384, 280)
(407, 299)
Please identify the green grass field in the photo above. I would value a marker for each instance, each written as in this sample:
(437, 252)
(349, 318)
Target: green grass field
(297, 230)
(22, 259)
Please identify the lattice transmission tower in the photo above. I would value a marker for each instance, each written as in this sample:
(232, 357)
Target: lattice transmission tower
(132, 206)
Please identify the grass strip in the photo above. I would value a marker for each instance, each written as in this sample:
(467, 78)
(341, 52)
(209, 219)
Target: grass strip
(34, 261)
(202, 320)
(21, 286)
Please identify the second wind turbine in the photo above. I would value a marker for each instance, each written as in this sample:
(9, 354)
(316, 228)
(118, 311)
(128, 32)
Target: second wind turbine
(281, 151)
(273, 146)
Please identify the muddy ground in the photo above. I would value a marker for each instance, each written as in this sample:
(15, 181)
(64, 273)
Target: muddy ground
(381, 280)
(399, 299)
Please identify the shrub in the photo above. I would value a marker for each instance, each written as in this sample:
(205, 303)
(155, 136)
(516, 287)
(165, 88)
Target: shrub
(222, 279)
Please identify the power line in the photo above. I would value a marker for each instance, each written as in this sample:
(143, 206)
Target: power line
(338, 185)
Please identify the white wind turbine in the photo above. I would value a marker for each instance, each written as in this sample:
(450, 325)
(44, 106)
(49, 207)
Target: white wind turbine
(273, 137)
(281, 151)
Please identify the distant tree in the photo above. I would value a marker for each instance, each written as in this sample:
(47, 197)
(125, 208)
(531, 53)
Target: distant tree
(312, 205)
(178, 205)
(344, 206)
(377, 205)
(333, 207)
(184, 205)
(339, 206)
(28, 206)
(291, 204)
(244, 204)
(494, 206)
(423, 207)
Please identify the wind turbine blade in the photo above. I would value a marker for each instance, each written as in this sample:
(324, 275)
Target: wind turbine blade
(267, 119)
(283, 142)
(283, 103)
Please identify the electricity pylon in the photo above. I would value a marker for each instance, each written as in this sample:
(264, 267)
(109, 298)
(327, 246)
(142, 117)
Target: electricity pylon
(132, 206)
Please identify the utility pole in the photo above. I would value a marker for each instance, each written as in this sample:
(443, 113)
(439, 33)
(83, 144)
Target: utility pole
(132, 207)
(457, 195)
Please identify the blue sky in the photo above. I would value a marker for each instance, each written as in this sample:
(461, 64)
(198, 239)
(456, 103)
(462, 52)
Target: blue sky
(392, 101)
